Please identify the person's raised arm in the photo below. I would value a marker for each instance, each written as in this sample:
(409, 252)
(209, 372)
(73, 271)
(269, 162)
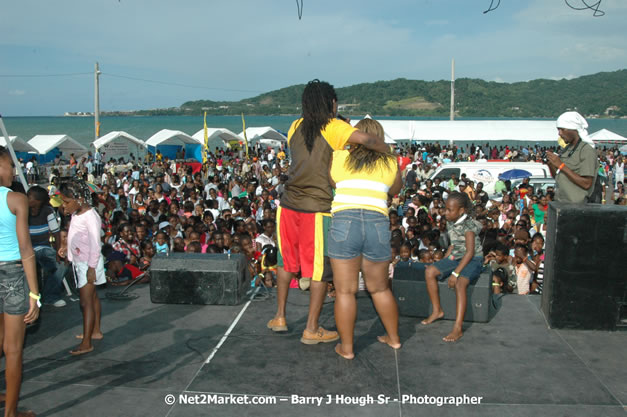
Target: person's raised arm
(369, 141)
(397, 185)
(330, 177)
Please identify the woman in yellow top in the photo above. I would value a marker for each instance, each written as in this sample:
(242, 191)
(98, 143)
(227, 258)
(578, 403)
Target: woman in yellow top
(359, 236)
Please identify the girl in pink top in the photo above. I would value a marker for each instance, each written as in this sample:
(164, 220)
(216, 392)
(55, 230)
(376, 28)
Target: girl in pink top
(83, 250)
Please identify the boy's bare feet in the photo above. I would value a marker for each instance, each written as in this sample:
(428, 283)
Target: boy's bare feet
(94, 336)
(339, 351)
(81, 350)
(453, 336)
(436, 315)
(386, 339)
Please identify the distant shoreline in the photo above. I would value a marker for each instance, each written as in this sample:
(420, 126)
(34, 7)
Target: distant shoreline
(298, 115)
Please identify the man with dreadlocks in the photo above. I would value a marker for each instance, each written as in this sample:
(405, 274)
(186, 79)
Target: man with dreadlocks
(306, 203)
(83, 250)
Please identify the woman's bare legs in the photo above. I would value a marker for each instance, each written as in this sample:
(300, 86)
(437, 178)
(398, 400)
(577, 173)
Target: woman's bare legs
(378, 285)
(346, 281)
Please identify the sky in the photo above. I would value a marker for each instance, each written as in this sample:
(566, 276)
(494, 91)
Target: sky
(234, 49)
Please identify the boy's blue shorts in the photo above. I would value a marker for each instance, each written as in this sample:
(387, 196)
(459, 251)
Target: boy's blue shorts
(470, 271)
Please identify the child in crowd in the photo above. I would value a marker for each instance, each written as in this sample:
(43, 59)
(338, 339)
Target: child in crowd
(118, 271)
(404, 253)
(161, 244)
(425, 256)
(438, 255)
(178, 245)
(523, 274)
(193, 247)
(503, 274)
(537, 252)
(268, 266)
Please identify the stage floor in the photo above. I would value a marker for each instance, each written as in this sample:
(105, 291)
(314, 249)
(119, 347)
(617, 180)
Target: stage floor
(515, 364)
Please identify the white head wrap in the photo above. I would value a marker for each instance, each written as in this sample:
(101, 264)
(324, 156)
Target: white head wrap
(575, 121)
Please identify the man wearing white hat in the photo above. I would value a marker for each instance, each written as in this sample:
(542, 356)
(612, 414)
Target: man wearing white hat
(575, 167)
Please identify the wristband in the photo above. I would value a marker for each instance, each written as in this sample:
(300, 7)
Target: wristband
(455, 274)
(560, 168)
(35, 297)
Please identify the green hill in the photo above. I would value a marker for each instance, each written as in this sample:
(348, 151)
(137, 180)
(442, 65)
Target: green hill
(601, 94)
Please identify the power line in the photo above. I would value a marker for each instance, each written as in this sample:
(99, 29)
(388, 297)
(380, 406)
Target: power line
(586, 6)
(492, 6)
(43, 75)
(180, 85)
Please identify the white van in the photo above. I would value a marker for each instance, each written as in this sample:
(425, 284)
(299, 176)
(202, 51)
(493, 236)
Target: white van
(487, 172)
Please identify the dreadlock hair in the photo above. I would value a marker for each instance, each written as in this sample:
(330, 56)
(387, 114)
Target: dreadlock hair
(317, 102)
(76, 188)
(362, 158)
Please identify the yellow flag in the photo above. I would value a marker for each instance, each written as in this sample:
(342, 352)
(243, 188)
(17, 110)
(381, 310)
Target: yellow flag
(205, 148)
(245, 137)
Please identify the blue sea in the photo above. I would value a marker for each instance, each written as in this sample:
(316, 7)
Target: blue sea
(143, 127)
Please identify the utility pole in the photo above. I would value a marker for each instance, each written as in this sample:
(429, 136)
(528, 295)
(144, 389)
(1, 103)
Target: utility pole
(96, 102)
(452, 116)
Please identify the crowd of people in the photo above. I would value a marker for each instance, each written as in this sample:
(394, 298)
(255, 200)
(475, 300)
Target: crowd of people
(383, 207)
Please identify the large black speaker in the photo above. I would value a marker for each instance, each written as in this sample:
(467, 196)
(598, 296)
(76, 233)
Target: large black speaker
(585, 274)
(410, 289)
(198, 278)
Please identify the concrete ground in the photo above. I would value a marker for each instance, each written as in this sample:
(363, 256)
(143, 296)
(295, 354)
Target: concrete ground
(515, 364)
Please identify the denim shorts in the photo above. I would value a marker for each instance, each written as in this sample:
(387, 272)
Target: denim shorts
(358, 232)
(13, 290)
(470, 271)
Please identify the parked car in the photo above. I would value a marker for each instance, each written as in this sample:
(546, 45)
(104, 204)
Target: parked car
(488, 172)
(538, 183)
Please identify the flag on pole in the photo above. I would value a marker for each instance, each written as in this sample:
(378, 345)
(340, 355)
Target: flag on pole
(98, 129)
(205, 148)
(245, 137)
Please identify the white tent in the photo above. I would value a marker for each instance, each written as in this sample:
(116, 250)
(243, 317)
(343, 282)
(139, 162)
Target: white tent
(170, 137)
(477, 131)
(392, 129)
(46, 143)
(265, 132)
(273, 143)
(19, 144)
(216, 137)
(607, 136)
(119, 144)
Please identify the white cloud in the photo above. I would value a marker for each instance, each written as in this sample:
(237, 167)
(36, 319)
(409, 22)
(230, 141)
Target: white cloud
(563, 77)
(17, 92)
